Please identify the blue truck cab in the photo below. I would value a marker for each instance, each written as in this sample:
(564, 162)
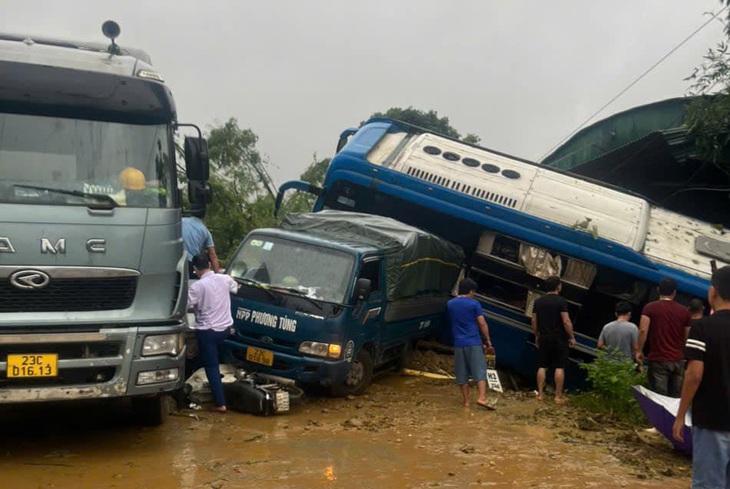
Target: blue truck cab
(331, 297)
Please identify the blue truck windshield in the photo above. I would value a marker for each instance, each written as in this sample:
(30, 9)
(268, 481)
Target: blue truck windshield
(319, 273)
(58, 161)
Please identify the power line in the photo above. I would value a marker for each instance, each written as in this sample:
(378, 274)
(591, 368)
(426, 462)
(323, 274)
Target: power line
(637, 80)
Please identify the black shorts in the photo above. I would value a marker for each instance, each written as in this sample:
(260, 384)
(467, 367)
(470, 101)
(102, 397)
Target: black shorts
(553, 352)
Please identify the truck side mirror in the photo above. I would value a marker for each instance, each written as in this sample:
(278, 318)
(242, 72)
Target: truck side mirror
(199, 193)
(363, 286)
(197, 165)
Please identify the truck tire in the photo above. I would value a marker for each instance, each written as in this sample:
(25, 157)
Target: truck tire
(358, 378)
(150, 411)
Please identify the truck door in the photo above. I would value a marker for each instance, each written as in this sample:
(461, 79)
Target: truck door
(370, 322)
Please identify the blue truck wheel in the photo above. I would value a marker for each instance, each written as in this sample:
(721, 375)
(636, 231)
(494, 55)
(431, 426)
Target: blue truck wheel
(358, 378)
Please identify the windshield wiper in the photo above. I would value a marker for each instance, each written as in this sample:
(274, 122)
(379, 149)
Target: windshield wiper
(76, 193)
(301, 294)
(256, 284)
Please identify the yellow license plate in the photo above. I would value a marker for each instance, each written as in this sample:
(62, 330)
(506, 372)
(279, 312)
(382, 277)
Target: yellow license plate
(256, 355)
(33, 365)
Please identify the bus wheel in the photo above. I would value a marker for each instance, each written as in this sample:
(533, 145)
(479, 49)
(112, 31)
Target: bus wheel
(150, 411)
(358, 378)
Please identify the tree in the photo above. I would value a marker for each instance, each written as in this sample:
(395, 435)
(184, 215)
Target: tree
(708, 116)
(242, 196)
(427, 120)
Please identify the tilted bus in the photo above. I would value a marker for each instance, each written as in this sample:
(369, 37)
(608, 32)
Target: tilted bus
(520, 222)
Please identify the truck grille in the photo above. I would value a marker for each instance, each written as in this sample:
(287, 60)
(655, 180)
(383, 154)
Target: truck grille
(70, 295)
(69, 376)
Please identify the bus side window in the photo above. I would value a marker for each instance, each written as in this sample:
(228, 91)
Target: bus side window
(371, 270)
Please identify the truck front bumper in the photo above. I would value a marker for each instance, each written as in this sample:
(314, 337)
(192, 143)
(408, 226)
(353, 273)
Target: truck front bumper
(304, 369)
(91, 365)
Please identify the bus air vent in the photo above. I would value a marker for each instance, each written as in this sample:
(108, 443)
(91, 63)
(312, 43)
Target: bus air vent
(463, 188)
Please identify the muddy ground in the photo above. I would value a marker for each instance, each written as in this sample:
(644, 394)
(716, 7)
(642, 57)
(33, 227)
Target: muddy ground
(405, 432)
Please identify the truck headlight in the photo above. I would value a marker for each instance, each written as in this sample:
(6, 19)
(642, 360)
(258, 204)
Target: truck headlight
(331, 350)
(163, 344)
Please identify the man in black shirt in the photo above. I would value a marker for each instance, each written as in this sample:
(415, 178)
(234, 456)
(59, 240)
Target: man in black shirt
(553, 335)
(707, 388)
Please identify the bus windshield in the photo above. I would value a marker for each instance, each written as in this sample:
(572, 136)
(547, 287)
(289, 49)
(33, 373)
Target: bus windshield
(58, 161)
(317, 272)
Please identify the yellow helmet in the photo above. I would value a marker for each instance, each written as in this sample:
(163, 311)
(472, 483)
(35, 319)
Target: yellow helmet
(132, 179)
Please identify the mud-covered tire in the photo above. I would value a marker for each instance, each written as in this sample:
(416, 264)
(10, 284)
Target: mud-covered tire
(358, 378)
(150, 411)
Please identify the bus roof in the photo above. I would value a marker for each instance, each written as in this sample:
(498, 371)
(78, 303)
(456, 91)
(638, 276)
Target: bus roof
(551, 202)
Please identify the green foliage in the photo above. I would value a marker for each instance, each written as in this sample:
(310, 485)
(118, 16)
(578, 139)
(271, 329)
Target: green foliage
(611, 380)
(708, 116)
(427, 120)
(241, 197)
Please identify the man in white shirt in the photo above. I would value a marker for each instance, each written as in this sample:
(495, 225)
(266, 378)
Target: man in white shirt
(210, 298)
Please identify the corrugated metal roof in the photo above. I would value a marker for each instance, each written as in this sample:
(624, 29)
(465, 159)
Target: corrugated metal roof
(624, 128)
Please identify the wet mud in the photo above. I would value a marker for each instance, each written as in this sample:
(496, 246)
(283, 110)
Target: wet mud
(405, 432)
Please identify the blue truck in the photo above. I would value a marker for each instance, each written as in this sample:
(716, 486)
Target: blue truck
(331, 297)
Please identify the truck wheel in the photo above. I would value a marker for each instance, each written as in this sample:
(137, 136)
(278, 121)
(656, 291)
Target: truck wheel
(358, 378)
(150, 411)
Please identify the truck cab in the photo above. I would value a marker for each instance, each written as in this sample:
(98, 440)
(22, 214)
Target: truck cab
(92, 267)
(331, 304)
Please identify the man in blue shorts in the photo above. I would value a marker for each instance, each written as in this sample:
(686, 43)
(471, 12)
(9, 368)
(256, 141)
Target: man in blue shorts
(467, 319)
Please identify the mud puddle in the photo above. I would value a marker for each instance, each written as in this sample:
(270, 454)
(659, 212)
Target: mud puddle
(406, 432)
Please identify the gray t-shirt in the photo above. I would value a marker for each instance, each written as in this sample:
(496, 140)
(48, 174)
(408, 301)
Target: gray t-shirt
(620, 335)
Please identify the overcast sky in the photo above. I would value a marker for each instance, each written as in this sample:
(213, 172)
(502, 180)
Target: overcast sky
(520, 74)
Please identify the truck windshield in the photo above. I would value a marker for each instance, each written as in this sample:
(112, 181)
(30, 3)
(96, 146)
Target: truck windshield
(57, 161)
(318, 272)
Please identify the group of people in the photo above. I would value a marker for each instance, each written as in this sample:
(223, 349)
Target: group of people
(688, 357)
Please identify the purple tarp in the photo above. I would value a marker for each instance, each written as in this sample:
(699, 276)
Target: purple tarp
(661, 412)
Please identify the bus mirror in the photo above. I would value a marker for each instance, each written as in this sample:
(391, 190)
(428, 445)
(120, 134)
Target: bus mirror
(344, 138)
(197, 166)
(363, 286)
(295, 185)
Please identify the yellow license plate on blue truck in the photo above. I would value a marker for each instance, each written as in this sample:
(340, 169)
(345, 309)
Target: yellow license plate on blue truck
(257, 355)
(33, 365)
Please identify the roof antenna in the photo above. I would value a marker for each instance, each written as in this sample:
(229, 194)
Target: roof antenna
(111, 30)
